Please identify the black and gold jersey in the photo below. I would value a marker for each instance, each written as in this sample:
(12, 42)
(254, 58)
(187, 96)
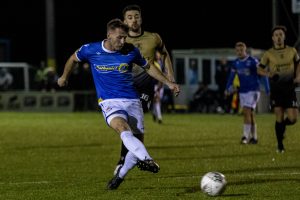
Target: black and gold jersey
(147, 43)
(281, 62)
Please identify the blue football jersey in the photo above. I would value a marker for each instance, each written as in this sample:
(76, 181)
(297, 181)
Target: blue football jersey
(112, 70)
(246, 69)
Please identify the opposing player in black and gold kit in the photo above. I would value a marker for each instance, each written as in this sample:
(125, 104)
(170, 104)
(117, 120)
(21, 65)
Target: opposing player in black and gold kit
(281, 64)
(148, 43)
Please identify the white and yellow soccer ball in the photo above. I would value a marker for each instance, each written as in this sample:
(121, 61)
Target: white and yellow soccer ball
(213, 183)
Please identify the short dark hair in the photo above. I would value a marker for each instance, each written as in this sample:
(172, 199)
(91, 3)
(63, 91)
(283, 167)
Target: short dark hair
(131, 7)
(279, 27)
(240, 44)
(116, 23)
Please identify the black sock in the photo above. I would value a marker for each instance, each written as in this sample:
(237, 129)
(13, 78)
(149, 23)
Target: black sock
(287, 121)
(280, 129)
(124, 151)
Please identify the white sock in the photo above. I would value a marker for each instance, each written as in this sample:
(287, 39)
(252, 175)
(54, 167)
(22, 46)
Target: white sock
(134, 145)
(130, 162)
(158, 110)
(247, 131)
(254, 131)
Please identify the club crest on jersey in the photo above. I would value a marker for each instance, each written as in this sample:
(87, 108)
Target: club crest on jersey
(123, 68)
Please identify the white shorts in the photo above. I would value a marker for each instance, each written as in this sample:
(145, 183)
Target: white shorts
(249, 99)
(129, 109)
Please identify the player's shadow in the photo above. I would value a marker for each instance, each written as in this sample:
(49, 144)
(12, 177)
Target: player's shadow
(197, 189)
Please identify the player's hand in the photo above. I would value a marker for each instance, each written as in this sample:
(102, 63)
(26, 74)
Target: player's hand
(175, 88)
(176, 93)
(61, 82)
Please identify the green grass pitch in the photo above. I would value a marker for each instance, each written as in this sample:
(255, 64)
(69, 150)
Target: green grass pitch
(72, 156)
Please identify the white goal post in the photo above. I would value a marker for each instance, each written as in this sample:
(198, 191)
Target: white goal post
(22, 65)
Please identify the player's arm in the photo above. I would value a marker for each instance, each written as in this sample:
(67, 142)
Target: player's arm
(69, 66)
(158, 75)
(229, 84)
(262, 70)
(265, 81)
(297, 63)
(264, 77)
(262, 66)
(168, 64)
(166, 59)
(297, 79)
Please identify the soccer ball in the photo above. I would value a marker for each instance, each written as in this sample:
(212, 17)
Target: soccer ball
(213, 183)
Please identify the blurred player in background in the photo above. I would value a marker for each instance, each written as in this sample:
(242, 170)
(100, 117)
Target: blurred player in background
(158, 91)
(245, 67)
(281, 64)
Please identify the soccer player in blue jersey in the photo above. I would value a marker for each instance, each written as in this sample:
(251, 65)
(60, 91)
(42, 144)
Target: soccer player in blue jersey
(111, 62)
(245, 66)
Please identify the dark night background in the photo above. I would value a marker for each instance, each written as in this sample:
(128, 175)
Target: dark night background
(181, 24)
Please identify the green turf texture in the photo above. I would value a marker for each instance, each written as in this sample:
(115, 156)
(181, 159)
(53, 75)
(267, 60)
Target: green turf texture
(72, 156)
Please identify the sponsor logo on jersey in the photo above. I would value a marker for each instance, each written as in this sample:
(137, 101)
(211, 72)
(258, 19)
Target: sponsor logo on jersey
(122, 68)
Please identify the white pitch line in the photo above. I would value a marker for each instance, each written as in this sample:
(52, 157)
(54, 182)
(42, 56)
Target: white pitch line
(268, 174)
(285, 173)
(29, 182)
